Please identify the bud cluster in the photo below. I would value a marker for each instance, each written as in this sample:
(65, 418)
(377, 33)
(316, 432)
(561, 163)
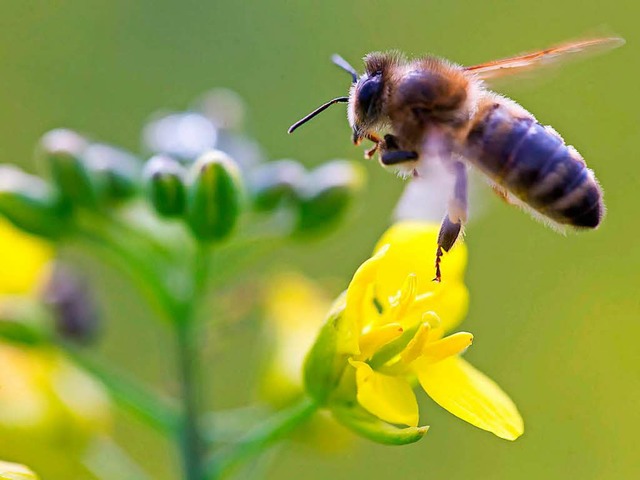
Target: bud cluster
(200, 170)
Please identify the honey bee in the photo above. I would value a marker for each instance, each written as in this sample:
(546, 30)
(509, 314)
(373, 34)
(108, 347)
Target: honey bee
(427, 109)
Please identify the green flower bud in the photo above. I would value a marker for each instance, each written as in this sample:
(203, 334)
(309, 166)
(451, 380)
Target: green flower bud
(324, 367)
(62, 150)
(164, 180)
(366, 425)
(275, 182)
(326, 195)
(30, 203)
(72, 306)
(213, 196)
(113, 171)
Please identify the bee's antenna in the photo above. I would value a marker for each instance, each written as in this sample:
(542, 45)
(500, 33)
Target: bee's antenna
(346, 66)
(318, 110)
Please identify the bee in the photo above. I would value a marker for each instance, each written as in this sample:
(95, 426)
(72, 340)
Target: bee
(430, 109)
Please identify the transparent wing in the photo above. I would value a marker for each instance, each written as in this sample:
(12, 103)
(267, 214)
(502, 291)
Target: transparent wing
(553, 55)
(426, 197)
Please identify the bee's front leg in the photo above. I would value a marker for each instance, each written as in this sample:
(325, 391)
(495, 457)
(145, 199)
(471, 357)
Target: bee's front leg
(455, 217)
(392, 154)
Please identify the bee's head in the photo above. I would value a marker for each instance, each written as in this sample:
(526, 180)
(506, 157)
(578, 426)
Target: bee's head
(368, 94)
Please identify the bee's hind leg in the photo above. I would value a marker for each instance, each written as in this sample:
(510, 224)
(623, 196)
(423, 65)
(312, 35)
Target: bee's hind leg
(456, 215)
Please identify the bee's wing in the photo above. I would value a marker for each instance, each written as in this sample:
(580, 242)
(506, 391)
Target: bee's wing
(426, 197)
(528, 61)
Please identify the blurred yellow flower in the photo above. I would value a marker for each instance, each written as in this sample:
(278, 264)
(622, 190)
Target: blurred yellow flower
(49, 409)
(295, 309)
(391, 329)
(15, 471)
(22, 259)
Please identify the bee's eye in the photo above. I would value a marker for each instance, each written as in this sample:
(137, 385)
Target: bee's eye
(368, 94)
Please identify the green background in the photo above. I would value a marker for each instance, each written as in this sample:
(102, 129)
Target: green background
(555, 319)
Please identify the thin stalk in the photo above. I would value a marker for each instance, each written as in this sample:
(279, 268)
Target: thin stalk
(191, 444)
(259, 439)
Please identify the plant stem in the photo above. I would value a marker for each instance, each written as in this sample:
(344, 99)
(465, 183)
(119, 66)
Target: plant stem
(191, 443)
(260, 438)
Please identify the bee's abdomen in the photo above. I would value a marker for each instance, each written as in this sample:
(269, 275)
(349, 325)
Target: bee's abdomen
(536, 166)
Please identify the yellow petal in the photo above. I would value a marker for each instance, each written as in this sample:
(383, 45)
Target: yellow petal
(452, 345)
(470, 395)
(14, 471)
(450, 300)
(389, 398)
(413, 250)
(377, 337)
(356, 299)
(401, 302)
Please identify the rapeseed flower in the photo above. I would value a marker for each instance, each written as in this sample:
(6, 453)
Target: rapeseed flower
(388, 332)
(295, 308)
(49, 408)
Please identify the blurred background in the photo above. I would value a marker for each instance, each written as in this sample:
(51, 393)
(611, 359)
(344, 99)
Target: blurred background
(555, 319)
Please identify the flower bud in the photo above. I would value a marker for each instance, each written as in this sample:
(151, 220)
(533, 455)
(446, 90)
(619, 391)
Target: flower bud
(183, 135)
(114, 171)
(164, 180)
(30, 203)
(225, 108)
(62, 150)
(275, 182)
(326, 195)
(74, 309)
(213, 196)
(324, 365)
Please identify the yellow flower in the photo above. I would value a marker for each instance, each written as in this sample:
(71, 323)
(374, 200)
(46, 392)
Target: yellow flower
(295, 308)
(22, 259)
(49, 409)
(14, 471)
(390, 330)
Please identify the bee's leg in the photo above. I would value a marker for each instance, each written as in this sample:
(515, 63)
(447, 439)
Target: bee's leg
(397, 156)
(391, 154)
(455, 217)
(502, 193)
(372, 151)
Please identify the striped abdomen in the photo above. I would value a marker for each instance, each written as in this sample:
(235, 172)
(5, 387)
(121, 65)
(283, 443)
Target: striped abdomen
(536, 166)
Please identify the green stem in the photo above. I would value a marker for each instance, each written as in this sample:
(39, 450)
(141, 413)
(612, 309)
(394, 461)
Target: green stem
(128, 394)
(192, 446)
(259, 439)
